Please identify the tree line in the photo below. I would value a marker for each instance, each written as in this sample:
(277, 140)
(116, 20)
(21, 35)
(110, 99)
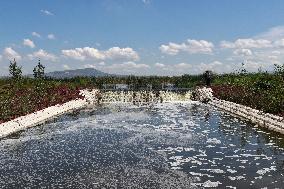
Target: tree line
(16, 71)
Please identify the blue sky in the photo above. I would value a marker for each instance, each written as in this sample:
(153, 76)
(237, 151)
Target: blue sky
(144, 37)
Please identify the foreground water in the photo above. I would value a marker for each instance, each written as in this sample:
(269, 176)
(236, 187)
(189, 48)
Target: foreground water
(169, 145)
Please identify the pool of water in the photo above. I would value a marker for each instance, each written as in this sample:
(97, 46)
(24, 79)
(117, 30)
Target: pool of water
(166, 145)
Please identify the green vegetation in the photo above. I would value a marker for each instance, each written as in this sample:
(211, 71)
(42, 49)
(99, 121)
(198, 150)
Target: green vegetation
(15, 70)
(22, 95)
(262, 90)
(39, 71)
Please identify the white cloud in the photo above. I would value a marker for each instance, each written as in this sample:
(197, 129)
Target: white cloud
(253, 43)
(51, 36)
(10, 54)
(172, 69)
(263, 50)
(243, 52)
(90, 66)
(170, 49)
(66, 67)
(102, 63)
(122, 53)
(159, 65)
(146, 1)
(46, 12)
(1, 57)
(215, 66)
(42, 54)
(36, 34)
(191, 46)
(193, 68)
(127, 67)
(74, 53)
(131, 65)
(29, 43)
(247, 43)
(114, 53)
(276, 52)
(279, 43)
(183, 66)
(227, 45)
(272, 34)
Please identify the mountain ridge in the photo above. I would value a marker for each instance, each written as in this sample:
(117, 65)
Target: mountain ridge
(85, 72)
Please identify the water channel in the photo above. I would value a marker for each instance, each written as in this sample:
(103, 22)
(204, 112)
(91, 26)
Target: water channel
(161, 145)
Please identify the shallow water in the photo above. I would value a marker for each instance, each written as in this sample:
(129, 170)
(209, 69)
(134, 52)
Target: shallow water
(169, 145)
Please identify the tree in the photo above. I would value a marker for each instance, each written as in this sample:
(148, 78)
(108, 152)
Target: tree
(15, 70)
(39, 70)
(208, 77)
(243, 69)
(279, 69)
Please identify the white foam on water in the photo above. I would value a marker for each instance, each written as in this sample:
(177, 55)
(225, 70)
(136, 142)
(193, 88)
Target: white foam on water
(266, 170)
(219, 171)
(236, 177)
(211, 184)
(213, 141)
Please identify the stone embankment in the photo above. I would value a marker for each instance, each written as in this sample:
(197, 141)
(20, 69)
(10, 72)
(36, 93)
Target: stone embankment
(46, 114)
(269, 121)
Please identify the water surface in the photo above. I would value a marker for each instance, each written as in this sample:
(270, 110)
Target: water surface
(168, 145)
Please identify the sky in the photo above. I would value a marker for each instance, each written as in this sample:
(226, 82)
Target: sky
(142, 37)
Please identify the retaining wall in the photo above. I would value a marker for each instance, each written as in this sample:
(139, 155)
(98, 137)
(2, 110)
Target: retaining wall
(269, 121)
(42, 116)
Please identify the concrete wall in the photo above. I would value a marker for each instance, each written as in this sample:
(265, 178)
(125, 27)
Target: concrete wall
(41, 116)
(269, 121)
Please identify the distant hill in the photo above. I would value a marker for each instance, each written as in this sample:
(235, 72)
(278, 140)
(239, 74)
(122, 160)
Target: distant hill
(87, 72)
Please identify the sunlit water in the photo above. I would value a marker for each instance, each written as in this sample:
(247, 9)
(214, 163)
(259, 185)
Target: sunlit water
(168, 145)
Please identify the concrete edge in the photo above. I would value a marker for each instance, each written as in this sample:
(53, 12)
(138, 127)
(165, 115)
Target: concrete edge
(266, 120)
(260, 118)
(46, 114)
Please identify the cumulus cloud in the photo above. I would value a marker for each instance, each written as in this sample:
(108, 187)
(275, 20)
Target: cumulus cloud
(215, 66)
(272, 34)
(100, 65)
(46, 12)
(227, 45)
(90, 66)
(279, 43)
(130, 65)
(42, 54)
(36, 34)
(159, 65)
(11, 54)
(127, 67)
(183, 66)
(114, 53)
(262, 50)
(252, 43)
(173, 69)
(29, 43)
(191, 46)
(51, 36)
(243, 52)
(66, 67)
(247, 43)
(122, 53)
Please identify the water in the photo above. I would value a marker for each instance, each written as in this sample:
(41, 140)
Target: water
(165, 145)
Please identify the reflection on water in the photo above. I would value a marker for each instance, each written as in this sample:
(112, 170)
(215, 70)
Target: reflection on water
(168, 145)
